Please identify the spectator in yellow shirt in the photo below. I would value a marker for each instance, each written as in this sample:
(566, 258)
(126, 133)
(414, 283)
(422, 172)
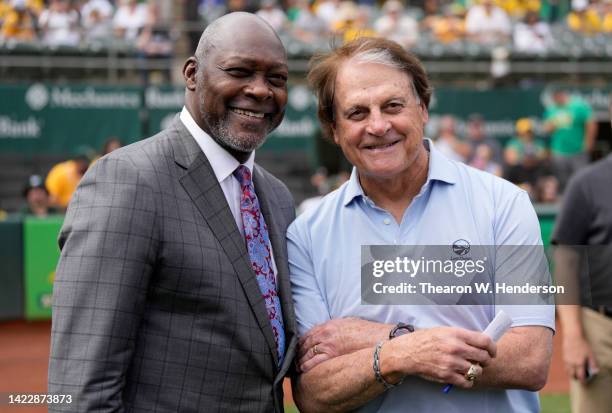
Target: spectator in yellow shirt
(517, 9)
(352, 22)
(19, 22)
(449, 27)
(63, 179)
(584, 19)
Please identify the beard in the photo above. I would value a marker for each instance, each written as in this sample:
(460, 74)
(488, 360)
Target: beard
(220, 130)
(246, 142)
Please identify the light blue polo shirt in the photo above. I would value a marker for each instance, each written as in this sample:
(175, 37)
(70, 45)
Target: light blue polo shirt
(457, 202)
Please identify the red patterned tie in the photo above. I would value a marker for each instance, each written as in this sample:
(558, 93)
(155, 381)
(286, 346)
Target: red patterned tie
(258, 246)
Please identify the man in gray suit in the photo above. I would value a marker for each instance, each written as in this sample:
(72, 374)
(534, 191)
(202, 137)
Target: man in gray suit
(159, 303)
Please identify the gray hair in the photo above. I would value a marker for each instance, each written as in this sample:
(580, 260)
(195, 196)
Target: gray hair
(384, 57)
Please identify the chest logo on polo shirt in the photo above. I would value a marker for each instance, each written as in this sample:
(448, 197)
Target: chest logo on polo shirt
(461, 247)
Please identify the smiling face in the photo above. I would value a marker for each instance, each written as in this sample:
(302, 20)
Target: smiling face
(240, 86)
(379, 120)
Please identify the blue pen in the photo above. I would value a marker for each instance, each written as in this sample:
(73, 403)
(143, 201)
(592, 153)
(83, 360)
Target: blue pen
(447, 388)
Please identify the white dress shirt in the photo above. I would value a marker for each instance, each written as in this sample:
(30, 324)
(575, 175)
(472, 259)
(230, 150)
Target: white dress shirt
(223, 165)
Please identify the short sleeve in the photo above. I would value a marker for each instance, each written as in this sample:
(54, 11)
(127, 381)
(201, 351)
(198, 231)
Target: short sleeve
(310, 307)
(571, 227)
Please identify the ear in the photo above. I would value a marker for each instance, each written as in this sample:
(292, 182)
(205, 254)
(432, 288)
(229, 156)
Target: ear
(190, 68)
(335, 134)
(424, 113)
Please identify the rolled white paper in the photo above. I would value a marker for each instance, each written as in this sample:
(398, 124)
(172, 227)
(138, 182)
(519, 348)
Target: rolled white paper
(500, 324)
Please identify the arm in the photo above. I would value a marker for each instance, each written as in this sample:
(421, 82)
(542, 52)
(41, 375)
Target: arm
(108, 247)
(346, 382)
(522, 362)
(576, 349)
(571, 231)
(590, 133)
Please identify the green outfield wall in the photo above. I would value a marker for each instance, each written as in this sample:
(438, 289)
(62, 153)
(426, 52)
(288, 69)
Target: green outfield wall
(40, 119)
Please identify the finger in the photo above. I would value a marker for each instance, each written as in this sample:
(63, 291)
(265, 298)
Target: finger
(314, 361)
(579, 374)
(476, 370)
(593, 364)
(308, 342)
(477, 355)
(460, 381)
(308, 355)
(321, 349)
(308, 337)
(313, 331)
(479, 340)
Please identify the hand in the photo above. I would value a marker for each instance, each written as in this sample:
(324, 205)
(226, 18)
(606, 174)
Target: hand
(442, 354)
(338, 337)
(576, 353)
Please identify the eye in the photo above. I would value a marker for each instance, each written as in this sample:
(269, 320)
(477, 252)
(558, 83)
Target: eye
(278, 80)
(394, 107)
(357, 114)
(238, 71)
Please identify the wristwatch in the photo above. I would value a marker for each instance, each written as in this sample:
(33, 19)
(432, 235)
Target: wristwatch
(400, 329)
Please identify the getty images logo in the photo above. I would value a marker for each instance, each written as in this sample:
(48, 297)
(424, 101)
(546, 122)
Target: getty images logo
(461, 247)
(37, 96)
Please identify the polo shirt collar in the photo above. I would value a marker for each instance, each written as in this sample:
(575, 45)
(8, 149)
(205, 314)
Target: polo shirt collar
(440, 169)
(221, 161)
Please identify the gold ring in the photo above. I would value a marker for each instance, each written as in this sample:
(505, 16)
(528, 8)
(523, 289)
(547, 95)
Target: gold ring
(471, 373)
(315, 350)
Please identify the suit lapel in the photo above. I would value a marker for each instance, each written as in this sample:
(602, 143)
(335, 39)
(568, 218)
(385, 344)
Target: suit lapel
(201, 185)
(279, 247)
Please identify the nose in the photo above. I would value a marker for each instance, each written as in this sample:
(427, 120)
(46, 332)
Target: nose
(377, 125)
(258, 89)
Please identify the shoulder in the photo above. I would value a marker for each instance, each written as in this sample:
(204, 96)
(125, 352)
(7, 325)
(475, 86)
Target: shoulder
(500, 204)
(143, 163)
(146, 152)
(484, 183)
(593, 176)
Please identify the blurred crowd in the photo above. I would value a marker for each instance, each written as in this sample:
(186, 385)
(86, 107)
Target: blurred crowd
(524, 23)
(90, 23)
(541, 157)
(147, 26)
(540, 166)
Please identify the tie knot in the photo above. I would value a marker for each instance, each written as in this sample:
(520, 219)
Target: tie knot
(243, 175)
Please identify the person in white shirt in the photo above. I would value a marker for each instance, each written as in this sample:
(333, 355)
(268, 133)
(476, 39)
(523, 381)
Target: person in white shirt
(273, 14)
(487, 23)
(96, 19)
(328, 10)
(59, 24)
(532, 35)
(129, 19)
(396, 26)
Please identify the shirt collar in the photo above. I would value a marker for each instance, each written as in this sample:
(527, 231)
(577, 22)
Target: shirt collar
(221, 161)
(440, 169)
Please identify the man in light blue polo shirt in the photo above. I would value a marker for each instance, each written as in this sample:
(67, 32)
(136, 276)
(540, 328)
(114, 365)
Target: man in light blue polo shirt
(373, 99)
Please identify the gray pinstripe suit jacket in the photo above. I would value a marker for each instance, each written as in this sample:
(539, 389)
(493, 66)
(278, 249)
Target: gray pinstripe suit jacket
(155, 305)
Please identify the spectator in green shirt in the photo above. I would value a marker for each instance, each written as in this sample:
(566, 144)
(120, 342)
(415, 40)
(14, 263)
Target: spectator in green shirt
(572, 126)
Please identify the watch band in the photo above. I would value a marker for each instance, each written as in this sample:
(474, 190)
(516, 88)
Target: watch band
(400, 329)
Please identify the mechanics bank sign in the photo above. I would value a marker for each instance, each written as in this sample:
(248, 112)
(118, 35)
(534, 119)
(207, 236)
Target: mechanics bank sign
(58, 119)
(38, 97)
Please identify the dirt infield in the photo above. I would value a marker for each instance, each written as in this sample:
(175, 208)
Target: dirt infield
(24, 354)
